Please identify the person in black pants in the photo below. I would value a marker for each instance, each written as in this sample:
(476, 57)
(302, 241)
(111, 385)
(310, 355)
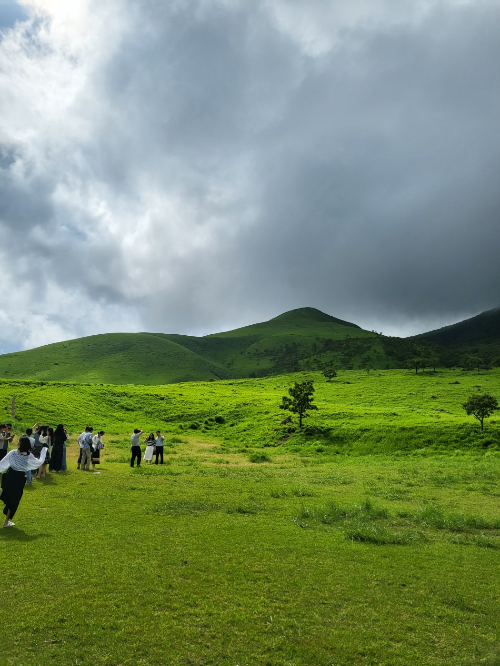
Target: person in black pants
(136, 449)
(159, 442)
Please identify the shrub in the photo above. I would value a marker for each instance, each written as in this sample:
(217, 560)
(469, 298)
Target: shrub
(259, 458)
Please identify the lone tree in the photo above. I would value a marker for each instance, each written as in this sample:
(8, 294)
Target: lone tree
(473, 361)
(481, 406)
(329, 371)
(366, 364)
(415, 362)
(300, 400)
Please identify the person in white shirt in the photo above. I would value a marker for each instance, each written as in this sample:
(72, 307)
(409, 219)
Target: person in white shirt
(15, 465)
(159, 443)
(136, 447)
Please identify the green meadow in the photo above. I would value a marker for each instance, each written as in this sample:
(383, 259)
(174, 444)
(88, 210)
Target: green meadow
(372, 536)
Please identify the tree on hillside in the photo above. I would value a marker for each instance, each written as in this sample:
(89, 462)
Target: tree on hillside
(481, 406)
(433, 361)
(415, 362)
(300, 400)
(329, 371)
(472, 361)
(366, 364)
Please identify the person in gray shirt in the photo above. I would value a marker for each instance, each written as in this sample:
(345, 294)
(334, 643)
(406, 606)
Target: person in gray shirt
(136, 448)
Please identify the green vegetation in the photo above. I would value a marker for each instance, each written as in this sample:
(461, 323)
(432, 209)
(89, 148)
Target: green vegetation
(391, 411)
(304, 339)
(210, 561)
(369, 536)
(481, 407)
(478, 336)
(300, 400)
(330, 371)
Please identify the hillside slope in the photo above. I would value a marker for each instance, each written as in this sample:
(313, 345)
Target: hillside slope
(479, 334)
(114, 358)
(302, 339)
(483, 328)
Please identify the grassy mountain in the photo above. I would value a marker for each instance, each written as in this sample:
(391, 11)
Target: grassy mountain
(302, 339)
(479, 334)
(114, 358)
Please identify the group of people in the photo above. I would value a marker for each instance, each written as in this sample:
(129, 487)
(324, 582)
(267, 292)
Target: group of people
(90, 449)
(42, 446)
(40, 437)
(39, 447)
(154, 447)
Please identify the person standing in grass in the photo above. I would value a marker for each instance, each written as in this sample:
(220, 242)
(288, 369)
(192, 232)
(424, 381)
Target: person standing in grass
(64, 466)
(136, 447)
(150, 447)
(4, 440)
(29, 435)
(160, 441)
(59, 440)
(44, 441)
(97, 446)
(15, 465)
(37, 428)
(85, 442)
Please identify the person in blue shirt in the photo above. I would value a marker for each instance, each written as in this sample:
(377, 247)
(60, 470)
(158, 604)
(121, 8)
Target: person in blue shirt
(85, 442)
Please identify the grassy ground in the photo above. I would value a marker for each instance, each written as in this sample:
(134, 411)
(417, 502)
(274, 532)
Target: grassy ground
(371, 538)
(386, 412)
(211, 559)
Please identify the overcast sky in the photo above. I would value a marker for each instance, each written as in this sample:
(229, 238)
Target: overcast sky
(193, 166)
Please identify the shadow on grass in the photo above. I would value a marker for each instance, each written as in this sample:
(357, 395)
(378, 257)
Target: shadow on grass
(15, 534)
(45, 480)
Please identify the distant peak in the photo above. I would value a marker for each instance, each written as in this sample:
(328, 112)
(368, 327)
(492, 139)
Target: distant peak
(311, 314)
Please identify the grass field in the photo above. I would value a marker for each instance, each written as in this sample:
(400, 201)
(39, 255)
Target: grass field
(371, 538)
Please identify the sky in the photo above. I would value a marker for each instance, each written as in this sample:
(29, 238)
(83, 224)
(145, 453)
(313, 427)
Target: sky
(199, 165)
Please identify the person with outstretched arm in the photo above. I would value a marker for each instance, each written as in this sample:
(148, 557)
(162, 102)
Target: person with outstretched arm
(136, 447)
(15, 465)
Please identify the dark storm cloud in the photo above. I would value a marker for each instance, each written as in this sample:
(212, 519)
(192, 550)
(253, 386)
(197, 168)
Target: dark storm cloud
(218, 163)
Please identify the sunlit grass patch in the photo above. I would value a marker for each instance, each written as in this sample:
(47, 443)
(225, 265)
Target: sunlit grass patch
(392, 493)
(182, 507)
(433, 515)
(245, 509)
(334, 513)
(369, 532)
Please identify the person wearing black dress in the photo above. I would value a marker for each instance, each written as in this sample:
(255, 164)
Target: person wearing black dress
(56, 457)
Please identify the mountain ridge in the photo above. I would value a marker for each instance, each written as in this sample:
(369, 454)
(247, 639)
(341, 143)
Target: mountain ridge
(304, 339)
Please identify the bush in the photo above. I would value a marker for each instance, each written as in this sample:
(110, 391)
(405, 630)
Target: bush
(259, 458)
(220, 420)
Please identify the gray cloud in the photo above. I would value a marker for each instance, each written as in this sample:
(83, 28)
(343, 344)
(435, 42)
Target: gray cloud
(202, 165)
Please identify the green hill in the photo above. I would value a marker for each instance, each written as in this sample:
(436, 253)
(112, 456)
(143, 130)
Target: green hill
(479, 334)
(302, 339)
(114, 358)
